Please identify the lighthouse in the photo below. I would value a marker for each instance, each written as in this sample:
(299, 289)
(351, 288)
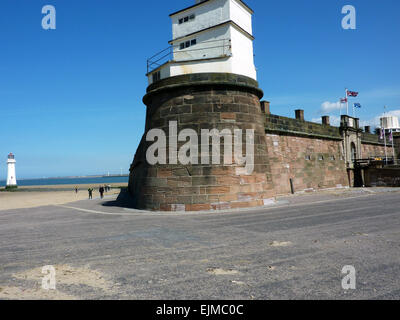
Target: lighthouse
(209, 36)
(11, 177)
(204, 82)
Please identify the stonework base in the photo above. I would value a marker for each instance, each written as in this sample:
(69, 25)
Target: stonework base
(202, 101)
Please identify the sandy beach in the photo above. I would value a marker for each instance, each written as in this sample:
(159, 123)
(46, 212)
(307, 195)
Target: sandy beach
(37, 196)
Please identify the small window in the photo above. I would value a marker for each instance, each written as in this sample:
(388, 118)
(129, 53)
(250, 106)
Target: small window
(156, 76)
(321, 158)
(333, 158)
(308, 158)
(187, 44)
(187, 18)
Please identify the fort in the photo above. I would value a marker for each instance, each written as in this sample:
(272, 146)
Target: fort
(207, 87)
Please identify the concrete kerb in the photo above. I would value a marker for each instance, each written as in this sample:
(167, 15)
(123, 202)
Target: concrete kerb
(278, 203)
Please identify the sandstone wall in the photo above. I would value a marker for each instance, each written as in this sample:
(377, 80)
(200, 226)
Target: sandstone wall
(202, 101)
(311, 163)
(308, 153)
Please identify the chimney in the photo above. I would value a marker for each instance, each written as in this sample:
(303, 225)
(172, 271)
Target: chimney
(326, 120)
(265, 107)
(367, 129)
(300, 115)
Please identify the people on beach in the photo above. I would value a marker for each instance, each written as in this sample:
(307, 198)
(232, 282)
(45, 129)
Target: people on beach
(76, 189)
(90, 190)
(101, 191)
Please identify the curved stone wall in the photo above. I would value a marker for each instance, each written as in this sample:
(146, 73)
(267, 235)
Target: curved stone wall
(203, 102)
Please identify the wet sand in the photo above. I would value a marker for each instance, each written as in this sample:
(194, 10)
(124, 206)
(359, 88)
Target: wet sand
(37, 196)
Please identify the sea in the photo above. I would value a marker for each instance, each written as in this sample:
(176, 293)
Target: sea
(70, 181)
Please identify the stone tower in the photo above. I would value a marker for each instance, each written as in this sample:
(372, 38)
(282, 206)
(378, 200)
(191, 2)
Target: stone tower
(204, 146)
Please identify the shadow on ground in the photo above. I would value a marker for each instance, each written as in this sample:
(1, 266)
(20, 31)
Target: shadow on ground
(124, 200)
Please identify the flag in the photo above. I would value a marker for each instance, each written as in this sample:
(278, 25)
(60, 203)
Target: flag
(391, 135)
(344, 100)
(382, 133)
(357, 105)
(352, 93)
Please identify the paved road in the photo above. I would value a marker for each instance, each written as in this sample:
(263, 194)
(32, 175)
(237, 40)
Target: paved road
(295, 250)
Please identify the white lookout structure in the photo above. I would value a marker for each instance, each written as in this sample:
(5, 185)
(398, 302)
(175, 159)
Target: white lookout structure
(11, 177)
(390, 123)
(209, 36)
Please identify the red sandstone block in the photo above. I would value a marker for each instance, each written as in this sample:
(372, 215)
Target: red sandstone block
(218, 190)
(228, 180)
(221, 206)
(164, 173)
(198, 207)
(165, 207)
(228, 197)
(228, 116)
(221, 170)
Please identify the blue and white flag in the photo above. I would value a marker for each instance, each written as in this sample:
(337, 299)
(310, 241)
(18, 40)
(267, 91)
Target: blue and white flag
(357, 105)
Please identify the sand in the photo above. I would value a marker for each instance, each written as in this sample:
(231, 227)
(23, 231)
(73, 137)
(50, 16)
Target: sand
(67, 278)
(30, 197)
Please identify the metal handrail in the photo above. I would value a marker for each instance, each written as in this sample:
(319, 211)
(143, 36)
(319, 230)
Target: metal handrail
(166, 55)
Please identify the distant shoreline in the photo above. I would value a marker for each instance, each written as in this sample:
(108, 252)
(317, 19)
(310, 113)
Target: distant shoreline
(93, 180)
(76, 177)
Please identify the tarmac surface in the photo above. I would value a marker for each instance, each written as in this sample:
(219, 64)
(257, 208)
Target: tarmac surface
(293, 249)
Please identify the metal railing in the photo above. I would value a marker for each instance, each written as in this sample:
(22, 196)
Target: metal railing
(200, 51)
(377, 161)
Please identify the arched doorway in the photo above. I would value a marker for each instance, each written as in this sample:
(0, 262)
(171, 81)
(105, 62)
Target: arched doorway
(353, 152)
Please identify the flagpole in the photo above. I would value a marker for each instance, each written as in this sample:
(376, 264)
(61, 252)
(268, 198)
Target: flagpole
(394, 154)
(384, 137)
(347, 103)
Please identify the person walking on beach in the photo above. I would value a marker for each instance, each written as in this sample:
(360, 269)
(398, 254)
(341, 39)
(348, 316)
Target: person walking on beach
(76, 189)
(101, 190)
(90, 190)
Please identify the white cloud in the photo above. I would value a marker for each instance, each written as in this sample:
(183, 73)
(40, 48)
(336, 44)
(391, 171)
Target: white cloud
(327, 106)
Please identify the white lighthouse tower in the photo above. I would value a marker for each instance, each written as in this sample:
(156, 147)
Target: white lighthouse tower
(209, 36)
(11, 177)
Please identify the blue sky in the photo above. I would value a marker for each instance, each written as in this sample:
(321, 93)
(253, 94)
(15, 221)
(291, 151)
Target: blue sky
(71, 98)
